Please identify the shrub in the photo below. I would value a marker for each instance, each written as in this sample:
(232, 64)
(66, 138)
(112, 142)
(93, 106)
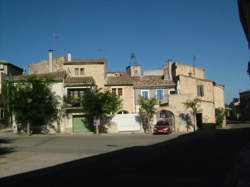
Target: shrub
(219, 116)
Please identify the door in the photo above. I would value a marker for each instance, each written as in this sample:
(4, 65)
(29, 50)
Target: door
(199, 120)
(80, 124)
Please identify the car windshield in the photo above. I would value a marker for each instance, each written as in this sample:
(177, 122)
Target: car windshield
(162, 123)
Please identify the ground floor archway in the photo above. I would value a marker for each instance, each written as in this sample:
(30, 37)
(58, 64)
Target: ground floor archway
(168, 116)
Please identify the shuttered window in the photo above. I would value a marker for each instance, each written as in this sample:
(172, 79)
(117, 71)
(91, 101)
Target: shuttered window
(200, 90)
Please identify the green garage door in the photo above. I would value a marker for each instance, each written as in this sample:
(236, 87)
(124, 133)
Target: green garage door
(80, 124)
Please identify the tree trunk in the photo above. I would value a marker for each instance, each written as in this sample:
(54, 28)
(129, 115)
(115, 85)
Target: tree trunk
(195, 123)
(28, 129)
(97, 129)
(96, 125)
(58, 126)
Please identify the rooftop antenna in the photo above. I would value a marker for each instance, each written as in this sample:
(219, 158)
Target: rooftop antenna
(133, 60)
(55, 37)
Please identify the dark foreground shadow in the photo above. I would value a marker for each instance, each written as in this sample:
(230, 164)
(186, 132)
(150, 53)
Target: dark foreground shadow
(198, 160)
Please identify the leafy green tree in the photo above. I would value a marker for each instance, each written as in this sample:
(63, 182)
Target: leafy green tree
(195, 108)
(147, 111)
(31, 101)
(219, 115)
(96, 103)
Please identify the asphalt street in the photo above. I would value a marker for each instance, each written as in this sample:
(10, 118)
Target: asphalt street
(36, 152)
(212, 157)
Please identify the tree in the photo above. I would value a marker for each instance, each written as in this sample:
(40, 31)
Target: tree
(97, 103)
(31, 101)
(195, 108)
(219, 115)
(146, 112)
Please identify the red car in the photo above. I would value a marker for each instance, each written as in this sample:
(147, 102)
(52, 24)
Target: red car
(162, 127)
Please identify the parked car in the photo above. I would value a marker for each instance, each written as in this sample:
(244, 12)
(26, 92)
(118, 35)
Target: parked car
(162, 127)
(39, 129)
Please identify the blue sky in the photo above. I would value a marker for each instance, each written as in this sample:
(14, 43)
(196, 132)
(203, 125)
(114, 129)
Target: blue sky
(156, 30)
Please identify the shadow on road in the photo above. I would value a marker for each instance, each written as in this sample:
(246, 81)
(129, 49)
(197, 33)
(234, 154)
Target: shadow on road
(4, 148)
(203, 159)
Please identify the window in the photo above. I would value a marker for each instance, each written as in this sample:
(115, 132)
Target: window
(123, 112)
(172, 91)
(75, 92)
(159, 94)
(82, 71)
(120, 91)
(145, 93)
(76, 71)
(117, 91)
(1, 66)
(114, 90)
(200, 90)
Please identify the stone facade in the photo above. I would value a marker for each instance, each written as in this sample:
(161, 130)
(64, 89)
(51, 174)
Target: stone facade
(172, 85)
(6, 69)
(245, 105)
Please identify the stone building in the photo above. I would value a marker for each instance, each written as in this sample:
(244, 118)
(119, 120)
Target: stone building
(245, 105)
(172, 85)
(6, 69)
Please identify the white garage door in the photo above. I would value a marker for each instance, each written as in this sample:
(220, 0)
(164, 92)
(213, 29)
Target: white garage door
(127, 122)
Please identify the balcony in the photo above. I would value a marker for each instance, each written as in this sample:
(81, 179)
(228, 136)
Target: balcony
(72, 102)
(164, 101)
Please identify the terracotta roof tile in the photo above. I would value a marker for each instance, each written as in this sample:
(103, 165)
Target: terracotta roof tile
(79, 80)
(60, 75)
(153, 80)
(123, 79)
(86, 61)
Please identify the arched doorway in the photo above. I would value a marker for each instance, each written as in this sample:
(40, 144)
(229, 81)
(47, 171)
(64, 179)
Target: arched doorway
(123, 112)
(168, 116)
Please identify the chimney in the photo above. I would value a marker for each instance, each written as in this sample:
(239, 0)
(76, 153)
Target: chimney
(50, 60)
(69, 55)
(167, 70)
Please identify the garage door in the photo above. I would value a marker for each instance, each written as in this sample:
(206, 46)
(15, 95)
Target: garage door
(80, 124)
(127, 122)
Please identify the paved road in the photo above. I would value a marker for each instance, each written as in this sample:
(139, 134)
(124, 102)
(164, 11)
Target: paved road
(237, 125)
(35, 152)
(207, 158)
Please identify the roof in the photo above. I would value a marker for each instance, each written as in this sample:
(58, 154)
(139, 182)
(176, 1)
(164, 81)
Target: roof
(60, 75)
(84, 61)
(123, 79)
(144, 81)
(205, 80)
(9, 63)
(84, 80)
(245, 92)
(152, 81)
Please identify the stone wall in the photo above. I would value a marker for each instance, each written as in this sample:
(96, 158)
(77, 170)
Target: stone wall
(97, 71)
(127, 98)
(219, 100)
(188, 85)
(43, 65)
(186, 69)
